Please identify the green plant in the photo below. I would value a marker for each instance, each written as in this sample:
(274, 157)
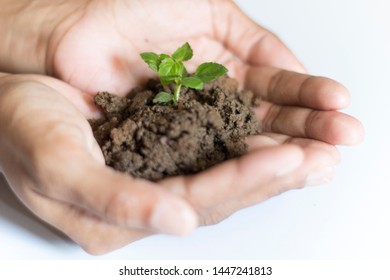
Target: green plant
(171, 69)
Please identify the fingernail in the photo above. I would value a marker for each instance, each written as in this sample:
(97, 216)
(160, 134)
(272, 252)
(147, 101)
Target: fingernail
(173, 218)
(288, 168)
(320, 176)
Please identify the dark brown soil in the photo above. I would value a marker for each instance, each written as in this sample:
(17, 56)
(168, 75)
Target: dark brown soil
(157, 141)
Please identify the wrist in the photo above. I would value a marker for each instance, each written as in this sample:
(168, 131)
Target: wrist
(29, 29)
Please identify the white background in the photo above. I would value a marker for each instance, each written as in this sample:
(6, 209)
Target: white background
(346, 219)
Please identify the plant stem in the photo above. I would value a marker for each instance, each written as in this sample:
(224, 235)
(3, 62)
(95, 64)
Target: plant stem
(176, 93)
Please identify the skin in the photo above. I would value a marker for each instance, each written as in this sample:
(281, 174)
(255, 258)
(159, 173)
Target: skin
(47, 146)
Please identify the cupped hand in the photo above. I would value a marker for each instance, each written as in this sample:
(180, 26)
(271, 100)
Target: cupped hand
(299, 112)
(53, 163)
(98, 47)
(296, 148)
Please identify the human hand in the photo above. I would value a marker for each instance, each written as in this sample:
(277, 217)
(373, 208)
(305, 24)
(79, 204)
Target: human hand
(296, 148)
(52, 162)
(297, 109)
(95, 45)
(98, 47)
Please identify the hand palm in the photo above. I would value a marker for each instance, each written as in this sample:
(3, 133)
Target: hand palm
(100, 48)
(100, 51)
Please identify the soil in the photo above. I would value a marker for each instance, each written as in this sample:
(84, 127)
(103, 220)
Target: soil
(155, 141)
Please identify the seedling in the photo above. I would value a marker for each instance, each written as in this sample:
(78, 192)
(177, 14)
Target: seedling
(171, 69)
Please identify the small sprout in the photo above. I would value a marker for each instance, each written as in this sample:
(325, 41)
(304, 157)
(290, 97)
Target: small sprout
(163, 97)
(171, 69)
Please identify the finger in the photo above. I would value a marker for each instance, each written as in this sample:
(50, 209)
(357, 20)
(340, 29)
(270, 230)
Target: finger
(317, 154)
(290, 88)
(93, 234)
(318, 164)
(235, 176)
(113, 196)
(80, 99)
(134, 203)
(316, 168)
(250, 42)
(329, 126)
(256, 142)
(48, 90)
(275, 139)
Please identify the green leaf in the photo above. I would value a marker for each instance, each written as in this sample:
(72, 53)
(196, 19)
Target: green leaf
(183, 53)
(170, 67)
(192, 82)
(178, 70)
(209, 71)
(161, 57)
(152, 59)
(166, 80)
(171, 71)
(166, 66)
(163, 97)
(184, 73)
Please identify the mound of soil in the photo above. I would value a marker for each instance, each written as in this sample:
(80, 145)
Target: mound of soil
(155, 141)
